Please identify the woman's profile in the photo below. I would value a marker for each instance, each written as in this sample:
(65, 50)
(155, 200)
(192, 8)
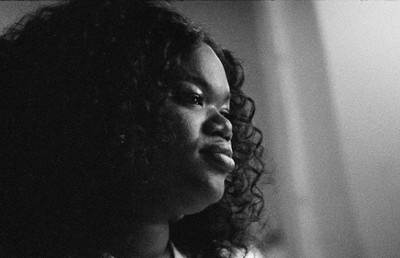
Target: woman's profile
(124, 133)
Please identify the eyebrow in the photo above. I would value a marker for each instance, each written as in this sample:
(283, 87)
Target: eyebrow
(202, 83)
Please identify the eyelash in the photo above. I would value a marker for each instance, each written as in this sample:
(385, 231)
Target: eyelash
(197, 99)
(188, 98)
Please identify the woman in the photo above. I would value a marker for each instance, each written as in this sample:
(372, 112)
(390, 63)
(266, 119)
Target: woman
(126, 134)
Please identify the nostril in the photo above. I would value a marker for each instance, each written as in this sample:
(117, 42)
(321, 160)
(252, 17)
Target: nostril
(229, 130)
(219, 126)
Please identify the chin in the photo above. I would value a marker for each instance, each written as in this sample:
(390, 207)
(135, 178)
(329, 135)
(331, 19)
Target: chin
(206, 195)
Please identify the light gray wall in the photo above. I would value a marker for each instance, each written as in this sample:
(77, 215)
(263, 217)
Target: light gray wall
(362, 42)
(315, 200)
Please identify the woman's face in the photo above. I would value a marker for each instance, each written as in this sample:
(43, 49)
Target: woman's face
(192, 169)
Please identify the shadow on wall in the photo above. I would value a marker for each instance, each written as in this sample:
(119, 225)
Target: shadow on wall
(315, 202)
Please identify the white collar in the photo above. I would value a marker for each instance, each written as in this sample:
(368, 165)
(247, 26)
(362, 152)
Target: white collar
(175, 251)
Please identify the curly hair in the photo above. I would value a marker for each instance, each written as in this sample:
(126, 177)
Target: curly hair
(81, 94)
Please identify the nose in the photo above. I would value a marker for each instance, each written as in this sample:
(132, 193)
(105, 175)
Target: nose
(218, 125)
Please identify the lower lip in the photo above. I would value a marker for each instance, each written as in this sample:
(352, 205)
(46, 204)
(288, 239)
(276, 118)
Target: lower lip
(221, 161)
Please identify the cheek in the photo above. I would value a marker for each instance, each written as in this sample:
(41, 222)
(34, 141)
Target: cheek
(183, 127)
(186, 126)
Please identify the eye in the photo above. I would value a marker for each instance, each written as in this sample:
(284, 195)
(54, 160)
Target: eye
(188, 98)
(195, 99)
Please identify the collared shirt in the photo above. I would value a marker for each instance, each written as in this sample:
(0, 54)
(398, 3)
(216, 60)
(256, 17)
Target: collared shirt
(175, 251)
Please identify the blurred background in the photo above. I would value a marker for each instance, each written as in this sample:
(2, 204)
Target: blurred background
(325, 77)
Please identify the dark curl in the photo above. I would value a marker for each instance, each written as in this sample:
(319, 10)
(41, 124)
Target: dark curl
(82, 85)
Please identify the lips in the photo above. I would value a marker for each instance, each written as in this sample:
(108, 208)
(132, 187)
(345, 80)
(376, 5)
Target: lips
(219, 156)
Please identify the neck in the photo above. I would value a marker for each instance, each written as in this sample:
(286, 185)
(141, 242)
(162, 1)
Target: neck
(145, 240)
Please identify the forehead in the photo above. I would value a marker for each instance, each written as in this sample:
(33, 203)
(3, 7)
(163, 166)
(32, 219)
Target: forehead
(204, 64)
